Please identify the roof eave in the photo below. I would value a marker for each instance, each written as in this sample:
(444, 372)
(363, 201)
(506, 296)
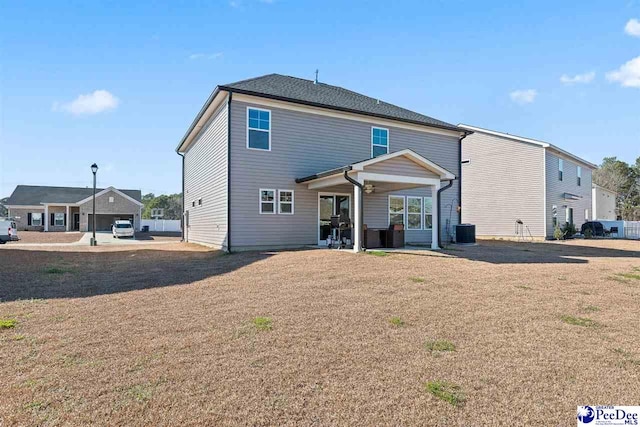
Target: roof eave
(203, 110)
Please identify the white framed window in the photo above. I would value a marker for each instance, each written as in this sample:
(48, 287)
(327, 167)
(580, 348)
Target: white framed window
(111, 199)
(267, 201)
(285, 202)
(554, 214)
(560, 169)
(258, 129)
(586, 214)
(36, 218)
(379, 141)
(414, 213)
(58, 219)
(428, 213)
(396, 210)
(579, 175)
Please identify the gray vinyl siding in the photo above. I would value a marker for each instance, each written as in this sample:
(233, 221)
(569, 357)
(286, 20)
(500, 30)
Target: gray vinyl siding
(303, 144)
(503, 182)
(557, 188)
(205, 176)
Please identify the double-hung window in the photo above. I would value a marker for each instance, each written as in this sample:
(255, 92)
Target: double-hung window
(36, 219)
(560, 169)
(285, 202)
(267, 201)
(258, 129)
(58, 219)
(414, 213)
(579, 175)
(379, 141)
(428, 213)
(396, 210)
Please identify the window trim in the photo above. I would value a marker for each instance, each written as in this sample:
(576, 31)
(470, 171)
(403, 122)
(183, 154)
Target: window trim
(293, 198)
(425, 213)
(36, 215)
(259, 130)
(421, 213)
(404, 209)
(55, 220)
(579, 175)
(260, 202)
(560, 169)
(378, 145)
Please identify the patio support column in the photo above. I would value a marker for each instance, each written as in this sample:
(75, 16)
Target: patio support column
(435, 219)
(46, 217)
(357, 217)
(68, 220)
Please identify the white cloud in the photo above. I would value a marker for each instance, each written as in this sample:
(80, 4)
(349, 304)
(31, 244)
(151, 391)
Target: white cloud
(234, 3)
(578, 78)
(90, 103)
(632, 28)
(526, 96)
(206, 55)
(628, 75)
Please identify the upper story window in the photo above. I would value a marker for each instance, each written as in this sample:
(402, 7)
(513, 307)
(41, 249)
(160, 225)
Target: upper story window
(379, 141)
(579, 175)
(258, 129)
(560, 169)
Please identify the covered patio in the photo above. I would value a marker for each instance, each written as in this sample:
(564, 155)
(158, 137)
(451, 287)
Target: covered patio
(385, 174)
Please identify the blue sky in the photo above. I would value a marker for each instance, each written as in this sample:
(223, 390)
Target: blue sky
(119, 83)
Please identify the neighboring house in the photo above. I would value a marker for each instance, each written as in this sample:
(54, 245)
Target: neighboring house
(603, 204)
(44, 208)
(506, 178)
(268, 160)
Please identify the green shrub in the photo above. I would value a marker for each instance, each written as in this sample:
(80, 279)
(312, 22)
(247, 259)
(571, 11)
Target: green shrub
(396, 321)
(557, 233)
(579, 321)
(568, 230)
(588, 233)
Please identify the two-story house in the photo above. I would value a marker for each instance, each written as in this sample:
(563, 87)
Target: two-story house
(267, 162)
(508, 178)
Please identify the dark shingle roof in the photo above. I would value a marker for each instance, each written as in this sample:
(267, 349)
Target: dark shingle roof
(303, 91)
(36, 194)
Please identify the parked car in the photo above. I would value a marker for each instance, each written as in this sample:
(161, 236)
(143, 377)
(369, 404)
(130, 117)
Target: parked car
(597, 229)
(8, 231)
(122, 228)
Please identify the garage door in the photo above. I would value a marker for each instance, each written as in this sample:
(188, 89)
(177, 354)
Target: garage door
(104, 221)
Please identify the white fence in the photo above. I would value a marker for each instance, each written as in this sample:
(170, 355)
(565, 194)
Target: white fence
(626, 229)
(162, 224)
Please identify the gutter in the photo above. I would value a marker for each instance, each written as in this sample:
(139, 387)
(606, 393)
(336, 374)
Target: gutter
(438, 208)
(361, 187)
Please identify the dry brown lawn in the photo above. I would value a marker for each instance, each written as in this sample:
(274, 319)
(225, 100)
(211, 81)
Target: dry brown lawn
(51, 237)
(175, 334)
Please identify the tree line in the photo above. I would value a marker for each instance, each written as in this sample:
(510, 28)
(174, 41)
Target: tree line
(171, 203)
(623, 178)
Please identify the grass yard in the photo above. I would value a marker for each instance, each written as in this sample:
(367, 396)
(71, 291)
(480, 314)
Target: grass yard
(175, 334)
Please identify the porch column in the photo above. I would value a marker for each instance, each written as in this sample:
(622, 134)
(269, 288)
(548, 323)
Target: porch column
(68, 220)
(435, 219)
(46, 217)
(357, 216)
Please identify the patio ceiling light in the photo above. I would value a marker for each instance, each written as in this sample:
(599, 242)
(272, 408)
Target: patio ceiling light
(369, 188)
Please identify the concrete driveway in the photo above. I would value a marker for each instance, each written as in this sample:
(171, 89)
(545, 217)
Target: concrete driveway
(106, 238)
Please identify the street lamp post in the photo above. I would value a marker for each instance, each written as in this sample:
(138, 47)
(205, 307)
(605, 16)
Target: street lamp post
(94, 169)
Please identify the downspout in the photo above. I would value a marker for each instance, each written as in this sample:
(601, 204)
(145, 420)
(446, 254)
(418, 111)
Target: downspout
(438, 210)
(229, 172)
(361, 187)
(184, 223)
(463, 136)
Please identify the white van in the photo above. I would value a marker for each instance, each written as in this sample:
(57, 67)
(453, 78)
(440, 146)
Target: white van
(8, 230)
